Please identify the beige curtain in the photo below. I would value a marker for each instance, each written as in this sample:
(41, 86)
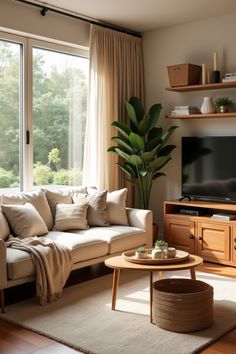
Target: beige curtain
(116, 74)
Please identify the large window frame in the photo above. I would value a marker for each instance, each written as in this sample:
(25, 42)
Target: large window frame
(26, 97)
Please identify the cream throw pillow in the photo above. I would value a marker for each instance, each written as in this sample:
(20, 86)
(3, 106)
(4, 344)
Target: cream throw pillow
(71, 217)
(116, 204)
(97, 210)
(57, 197)
(4, 227)
(37, 199)
(24, 220)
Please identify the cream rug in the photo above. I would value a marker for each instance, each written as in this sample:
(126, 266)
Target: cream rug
(83, 318)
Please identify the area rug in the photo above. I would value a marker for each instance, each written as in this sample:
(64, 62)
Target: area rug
(83, 318)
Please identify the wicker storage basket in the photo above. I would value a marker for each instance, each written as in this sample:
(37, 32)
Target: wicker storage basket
(182, 305)
(184, 74)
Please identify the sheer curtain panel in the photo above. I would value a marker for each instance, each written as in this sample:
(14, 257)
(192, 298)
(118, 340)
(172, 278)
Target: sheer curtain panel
(116, 74)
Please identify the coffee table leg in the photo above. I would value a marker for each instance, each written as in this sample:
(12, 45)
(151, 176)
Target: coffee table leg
(160, 275)
(192, 273)
(116, 277)
(151, 294)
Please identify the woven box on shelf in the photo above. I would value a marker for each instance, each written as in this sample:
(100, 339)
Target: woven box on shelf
(184, 74)
(182, 305)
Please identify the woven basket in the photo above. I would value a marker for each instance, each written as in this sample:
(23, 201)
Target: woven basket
(182, 305)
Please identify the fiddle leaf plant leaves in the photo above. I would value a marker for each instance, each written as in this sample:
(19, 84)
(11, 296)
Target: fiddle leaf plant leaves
(138, 106)
(137, 142)
(141, 147)
(131, 112)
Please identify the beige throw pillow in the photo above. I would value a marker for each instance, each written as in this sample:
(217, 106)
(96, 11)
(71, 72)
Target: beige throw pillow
(4, 227)
(57, 197)
(71, 217)
(24, 220)
(97, 210)
(116, 204)
(37, 199)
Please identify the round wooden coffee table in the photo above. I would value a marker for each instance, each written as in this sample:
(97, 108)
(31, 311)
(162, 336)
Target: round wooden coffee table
(118, 262)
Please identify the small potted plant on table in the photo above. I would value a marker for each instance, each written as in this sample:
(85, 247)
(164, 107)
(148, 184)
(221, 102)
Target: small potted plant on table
(141, 253)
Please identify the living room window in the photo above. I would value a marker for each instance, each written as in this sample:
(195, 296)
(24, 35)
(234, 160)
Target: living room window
(43, 111)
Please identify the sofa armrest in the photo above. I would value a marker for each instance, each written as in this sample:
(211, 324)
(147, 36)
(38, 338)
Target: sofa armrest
(3, 264)
(143, 219)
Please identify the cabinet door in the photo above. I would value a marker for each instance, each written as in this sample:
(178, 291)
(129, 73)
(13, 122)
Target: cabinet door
(180, 234)
(213, 241)
(234, 244)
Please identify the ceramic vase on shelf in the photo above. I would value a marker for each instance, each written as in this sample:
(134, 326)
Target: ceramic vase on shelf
(207, 105)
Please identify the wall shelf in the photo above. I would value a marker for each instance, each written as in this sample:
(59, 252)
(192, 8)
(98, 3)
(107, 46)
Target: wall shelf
(221, 85)
(200, 116)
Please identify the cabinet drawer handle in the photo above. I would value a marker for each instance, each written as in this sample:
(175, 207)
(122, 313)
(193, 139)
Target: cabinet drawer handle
(191, 237)
(200, 238)
(235, 247)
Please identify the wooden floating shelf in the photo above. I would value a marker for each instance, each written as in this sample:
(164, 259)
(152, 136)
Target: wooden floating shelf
(200, 116)
(221, 85)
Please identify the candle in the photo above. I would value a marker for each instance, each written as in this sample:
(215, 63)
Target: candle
(203, 74)
(215, 62)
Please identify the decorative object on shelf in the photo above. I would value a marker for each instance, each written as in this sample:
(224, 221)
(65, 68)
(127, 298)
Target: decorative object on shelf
(216, 72)
(204, 79)
(141, 253)
(229, 77)
(142, 146)
(223, 104)
(207, 105)
(208, 74)
(185, 110)
(184, 74)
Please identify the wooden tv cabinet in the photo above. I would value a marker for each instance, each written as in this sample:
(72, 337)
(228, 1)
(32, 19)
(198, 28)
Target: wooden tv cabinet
(213, 240)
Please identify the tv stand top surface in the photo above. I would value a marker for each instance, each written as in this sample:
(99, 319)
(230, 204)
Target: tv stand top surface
(203, 204)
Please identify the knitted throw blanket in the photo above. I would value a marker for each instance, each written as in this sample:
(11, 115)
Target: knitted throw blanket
(52, 263)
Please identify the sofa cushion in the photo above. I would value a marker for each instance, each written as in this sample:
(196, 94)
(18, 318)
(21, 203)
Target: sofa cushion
(20, 264)
(116, 207)
(97, 211)
(71, 216)
(24, 220)
(57, 197)
(119, 238)
(82, 247)
(37, 199)
(4, 227)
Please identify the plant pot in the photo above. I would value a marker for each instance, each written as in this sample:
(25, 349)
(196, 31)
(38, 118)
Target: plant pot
(157, 254)
(223, 109)
(140, 255)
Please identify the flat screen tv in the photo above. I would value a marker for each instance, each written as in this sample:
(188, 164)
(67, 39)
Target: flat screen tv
(209, 168)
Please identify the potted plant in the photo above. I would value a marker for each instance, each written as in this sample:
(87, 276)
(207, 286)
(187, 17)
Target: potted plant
(160, 249)
(141, 253)
(142, 147)
(223, 104)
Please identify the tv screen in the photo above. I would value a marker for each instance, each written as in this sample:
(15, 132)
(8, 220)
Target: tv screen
(209, 167)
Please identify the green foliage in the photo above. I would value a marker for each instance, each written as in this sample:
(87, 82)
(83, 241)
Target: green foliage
(142, 147)
(61, 177)
(223, 101)
(42, 174)
(160, 244)
(75, 176)
(8, 179)
(141, 250)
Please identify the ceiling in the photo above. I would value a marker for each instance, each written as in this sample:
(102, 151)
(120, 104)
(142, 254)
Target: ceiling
(145, 15)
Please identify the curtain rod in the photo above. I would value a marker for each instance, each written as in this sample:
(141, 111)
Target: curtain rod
(46, 8)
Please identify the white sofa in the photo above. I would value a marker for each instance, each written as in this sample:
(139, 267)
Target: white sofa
(89, 246)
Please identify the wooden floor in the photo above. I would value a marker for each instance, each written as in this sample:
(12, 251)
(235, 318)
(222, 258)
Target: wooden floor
(16, 340)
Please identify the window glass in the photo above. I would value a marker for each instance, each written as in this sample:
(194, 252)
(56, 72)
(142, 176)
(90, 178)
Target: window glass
(10, 116)
(59, 117)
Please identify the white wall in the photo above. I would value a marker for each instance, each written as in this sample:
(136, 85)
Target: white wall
(27, 19)
(188, 43)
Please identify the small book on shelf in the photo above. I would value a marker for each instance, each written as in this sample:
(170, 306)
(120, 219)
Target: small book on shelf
(224, 216)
